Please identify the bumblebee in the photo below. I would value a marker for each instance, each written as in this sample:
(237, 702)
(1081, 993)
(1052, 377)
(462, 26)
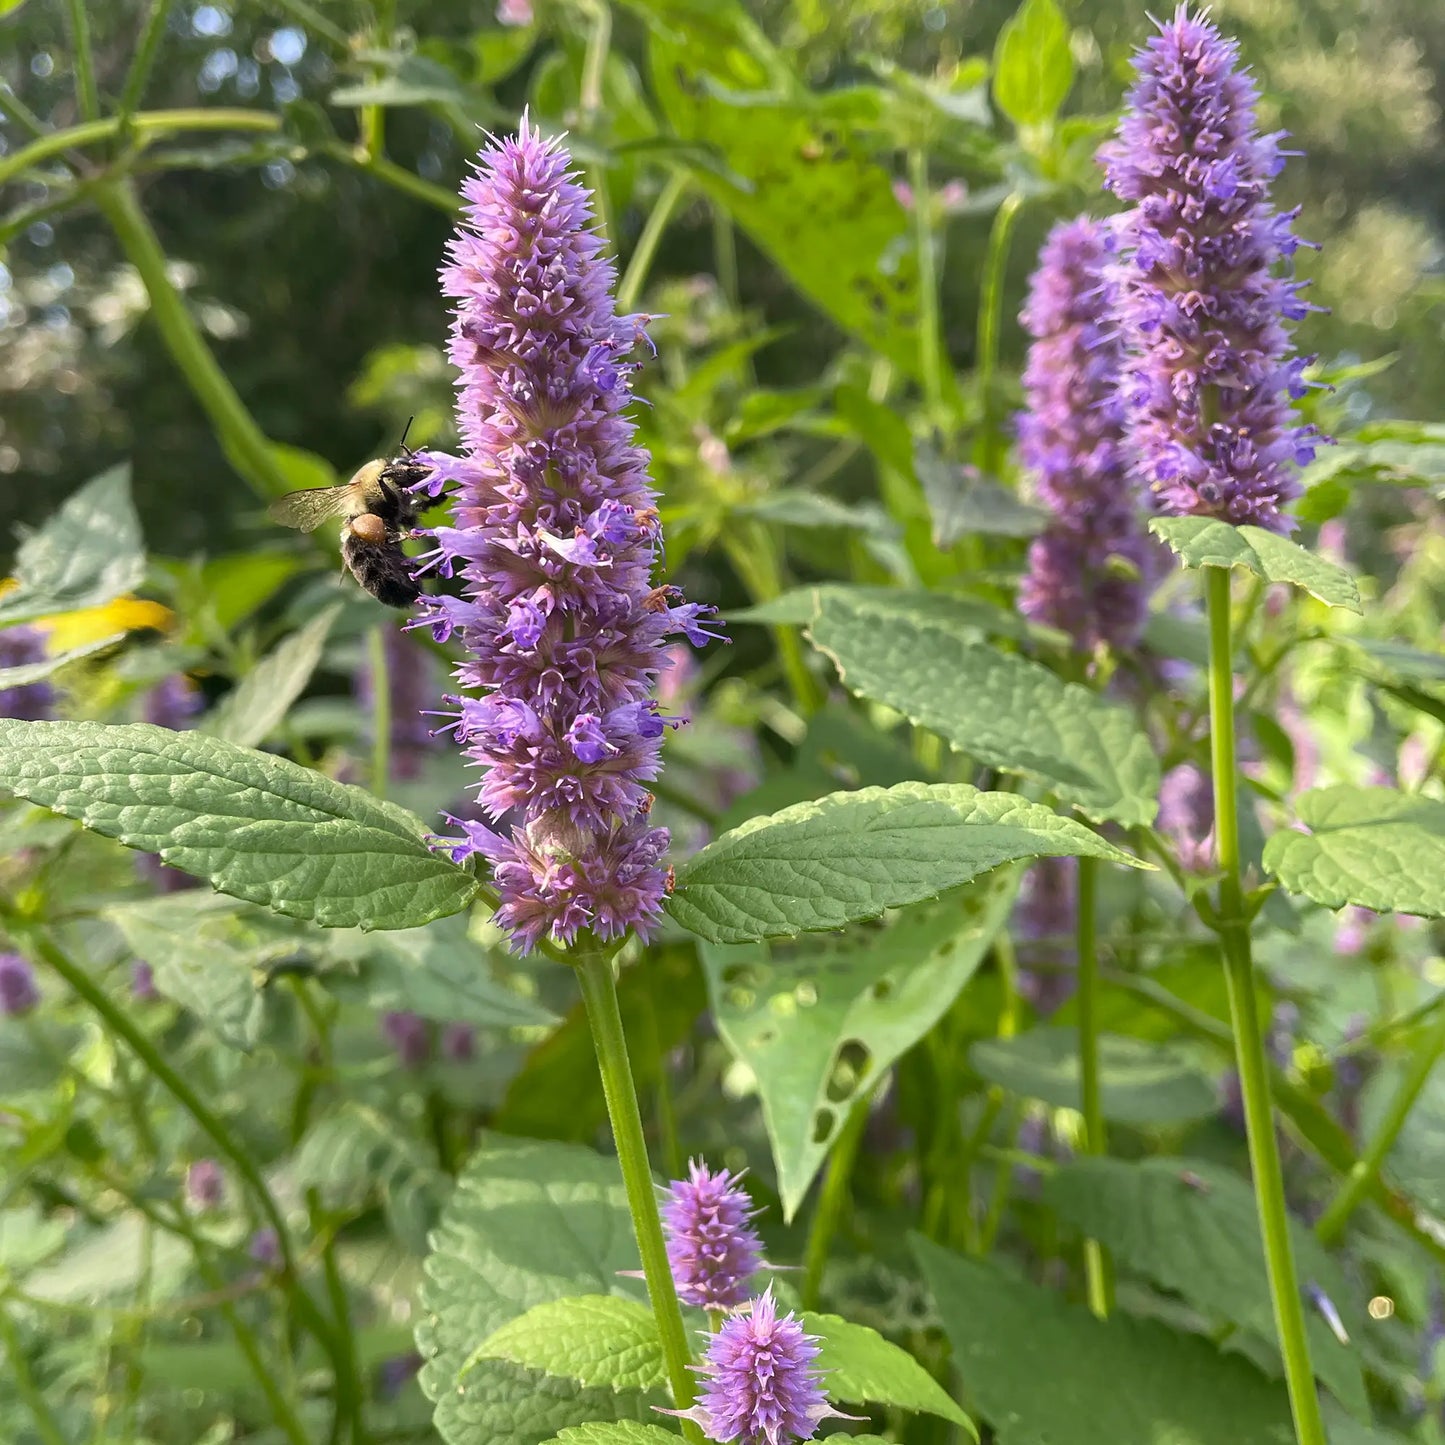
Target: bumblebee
(378, 513)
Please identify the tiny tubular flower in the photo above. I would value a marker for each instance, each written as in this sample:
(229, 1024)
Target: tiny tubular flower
(711, 1245)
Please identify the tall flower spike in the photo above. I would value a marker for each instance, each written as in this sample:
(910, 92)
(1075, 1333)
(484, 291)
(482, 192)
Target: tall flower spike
(711, 1245)
(761, 1385)
(1212, 374)
(1086, 570)
(555, 535)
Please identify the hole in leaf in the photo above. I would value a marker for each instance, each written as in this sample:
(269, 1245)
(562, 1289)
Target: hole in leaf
(823, 1121)
(883, 989)
(851, 1066)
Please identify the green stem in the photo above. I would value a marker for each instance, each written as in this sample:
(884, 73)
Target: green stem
(46, 1425)
(930, 330)
(348, 1382)
(725, 255)
(19, 112)
(1251, 1058)
(155, 122)
(1359, 1182)
(1097, 1265)
(119, 1023)
(399, 178)
(590, 99)
(640, 262)
(380, 709)
(313, 19)
(144, 59)
(833, 1198)
(243, 441)
(599, 994)
(87, 96)
(989, 450)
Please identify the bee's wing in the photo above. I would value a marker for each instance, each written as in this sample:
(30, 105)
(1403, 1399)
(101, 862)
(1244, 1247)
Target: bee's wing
(307, 510)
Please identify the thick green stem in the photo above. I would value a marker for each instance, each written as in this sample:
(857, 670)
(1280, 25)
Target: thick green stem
(1097, 1265)
(599, 994)
(647, 243)
(1250, 1055)
(832, 1199)
(380, 709)
(990, 448)
(398, 177)
(1360, 1181)
(244, 442)
(930, 328)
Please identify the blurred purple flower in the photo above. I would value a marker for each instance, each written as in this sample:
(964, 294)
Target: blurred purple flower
(1186, 816)
(459, 1042)
(555, 536)
(516, 13)
(172, 702)
(1210, 375)
(761, 1386)
(143, 982)
(409, 1034)
(1087, 568)
(34, 701)
(711, 1245)
(205, 1184)
(1043, 925)
(19, 993)
(265, 1248)
(395, 1373)
(413, 675)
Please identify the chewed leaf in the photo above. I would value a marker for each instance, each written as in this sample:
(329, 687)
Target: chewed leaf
(1208, 542)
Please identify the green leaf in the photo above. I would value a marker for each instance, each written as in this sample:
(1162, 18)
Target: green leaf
(618, 1432)
(528, 1222)
(1208, 542)
(1040, 1369)
(440, 973)
(33, 1053)
(1142, 1083)
(797, 173)
(32, 672)
(1033, 67)
(1191, 1227)
(595, 1339)
(848, 857)
(1374, 847)
(357, 1154)
(969, 615)
(861, 1366)
(961, 501)
(1000, 709)
(88, 553)
(820, 1027)
(258, 704)
(27, 1239)
(209, 954)
(252, 825)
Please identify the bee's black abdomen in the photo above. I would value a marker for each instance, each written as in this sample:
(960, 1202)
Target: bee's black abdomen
(382, 569)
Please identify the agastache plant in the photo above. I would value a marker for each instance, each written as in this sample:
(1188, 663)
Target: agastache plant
(1086, 569)
(1211, 369)
(555, 536)
(711, 1245)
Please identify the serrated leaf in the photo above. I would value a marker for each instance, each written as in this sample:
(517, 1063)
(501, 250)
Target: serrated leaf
(962, 501)
(859, 1365)
(1208, 542)
(820, 1027)
(850, 856)
(258, 704)
(593, 1339)
(1375, 847)
(1192, 1228)
(1141, 1083)
(615, 1432)
(252, 825)
(28, 673)
(1040, 1369)
(208, 954)
(1001, 709)
(88, 553)
(1033, 67)
(528, 1222)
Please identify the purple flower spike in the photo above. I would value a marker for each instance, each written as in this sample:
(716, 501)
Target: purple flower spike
(34, 701)
(1086, 570)
(762, 1387)
(711, 1245)
(555, 536)
(409, 1034)
(205, 1184)
(173, 702)
(1186, 816)
(1212, 372)
(19, 992)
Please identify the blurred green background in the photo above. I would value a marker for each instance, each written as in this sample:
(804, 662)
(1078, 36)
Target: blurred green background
(315, 280)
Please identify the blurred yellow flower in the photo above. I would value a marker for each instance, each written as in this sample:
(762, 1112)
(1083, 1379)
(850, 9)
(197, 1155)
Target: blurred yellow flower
(67, 630)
